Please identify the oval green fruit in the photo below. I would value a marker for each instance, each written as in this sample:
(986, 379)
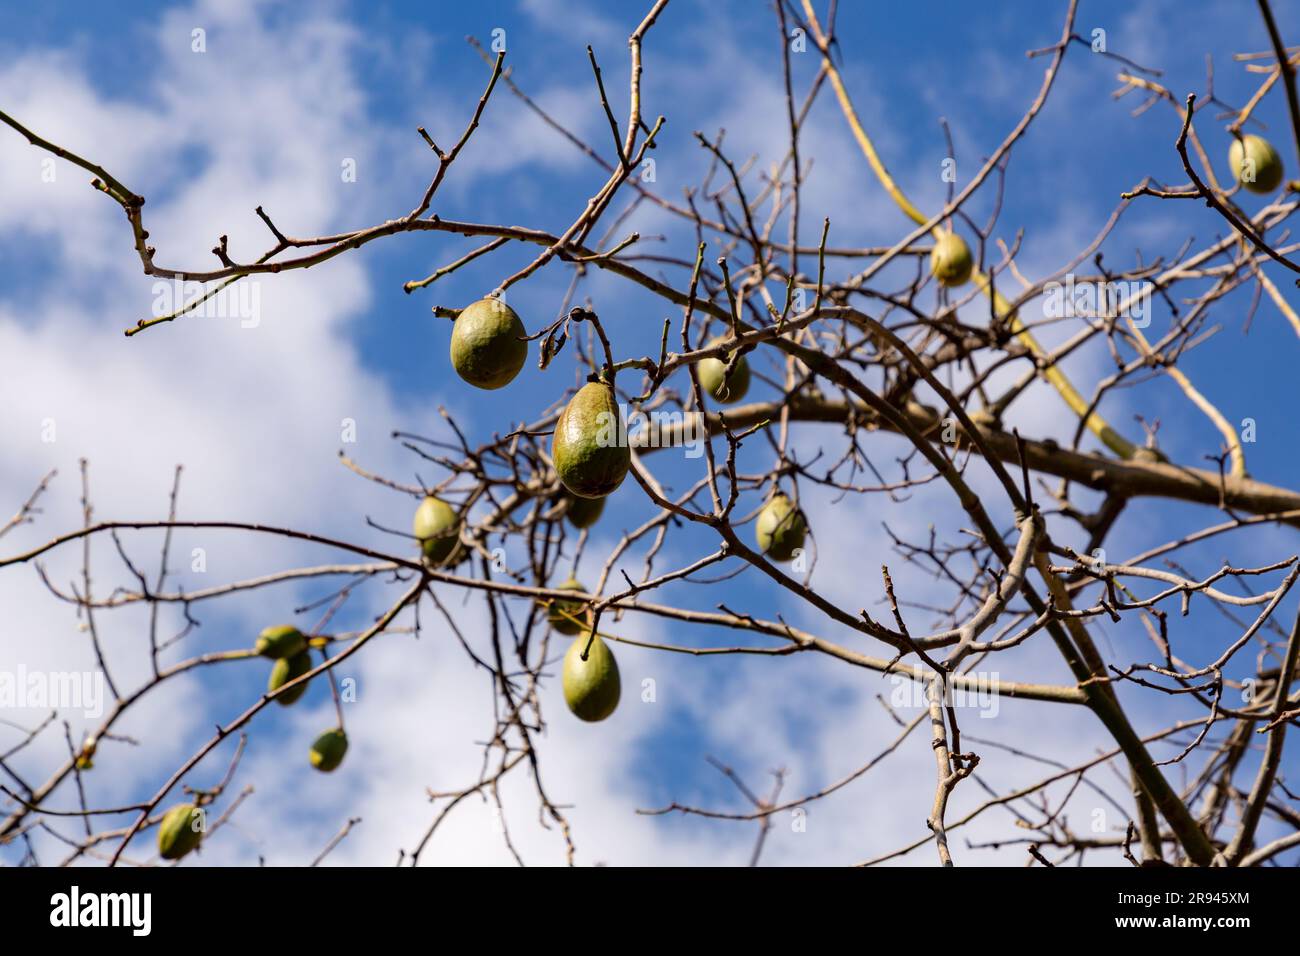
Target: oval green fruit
(1255, 163)
(591, 687)
(488, 346)
(583, 512)
(328, 749)
(278, 641)
(437, 528)
(950, 260)
(714, 381)
(180, 831)
(589, 447)
(780, 529)
(285, 670)
(560, 614)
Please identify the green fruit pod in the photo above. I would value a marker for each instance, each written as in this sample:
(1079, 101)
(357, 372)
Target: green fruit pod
(713, 377)
(561, 614)
(589, 447)
(287, 669)
(180, 831)
(437, 527)
(780, 529)
(1255, 164)
(488, 344)
(591, 687)
(279, 641)
(950, 260)
(86, 756)
(583, 512)
(328, 749)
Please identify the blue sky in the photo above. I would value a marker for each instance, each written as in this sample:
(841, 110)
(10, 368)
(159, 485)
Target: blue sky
(269, 113)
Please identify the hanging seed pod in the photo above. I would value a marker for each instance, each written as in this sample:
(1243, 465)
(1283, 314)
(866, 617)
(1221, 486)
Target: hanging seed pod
(589, 448)
(1255, 164)
(713, 377)
(561, 614)
(86, 756)
(287, 669)
(180, 831)
(780, 529)
(950, 260)
(488, 346)
(591, 687)
(437, 527)
(583, 512)
(328, 749)
(278, 641)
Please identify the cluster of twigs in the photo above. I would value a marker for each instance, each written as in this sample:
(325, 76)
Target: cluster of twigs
(843, 349)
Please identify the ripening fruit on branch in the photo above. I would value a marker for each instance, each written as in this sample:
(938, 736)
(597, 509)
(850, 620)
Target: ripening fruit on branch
(1255, 163)
(328, 749)
(488, 346)
(714, 381)
(590, 444)
(86, 756)
(438, 529)
(950, 260)
(285, 670)
(780, 528)
(591, 687)
(561, 614)
(180, 831)
(278, 641)
(583, 512)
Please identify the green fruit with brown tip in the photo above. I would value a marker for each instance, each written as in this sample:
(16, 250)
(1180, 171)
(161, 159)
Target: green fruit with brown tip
(950, 260)
(780, 529)
(713, 377)
(589, 447)
(561, 614)
(287, 669)
(591, 687)
(583, 512)
(180, 831)
(437, 527)
(1255, 163)
(328, 749)
(283, 640)
(488, 344)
